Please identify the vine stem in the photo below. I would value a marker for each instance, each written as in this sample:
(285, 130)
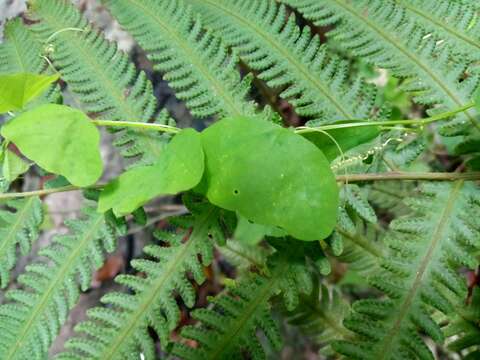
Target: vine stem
(393, 175)
(301, 129)
(399, 175)
(136, 124)
(362, 122)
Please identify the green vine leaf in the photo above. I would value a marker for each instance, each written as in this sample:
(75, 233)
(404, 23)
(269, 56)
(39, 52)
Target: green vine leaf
(17, 90)
(270, 176)
(59, 139)
(179, 168)
(346, 138)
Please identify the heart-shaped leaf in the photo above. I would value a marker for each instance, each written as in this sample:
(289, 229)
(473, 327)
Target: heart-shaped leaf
(179, 168)
(270, 176)
(17, 90)
(59, 139)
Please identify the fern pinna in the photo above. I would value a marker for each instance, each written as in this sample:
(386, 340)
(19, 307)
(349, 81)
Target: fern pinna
(331, 197)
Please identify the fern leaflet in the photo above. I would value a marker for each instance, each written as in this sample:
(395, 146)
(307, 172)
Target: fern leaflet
(285, 56)
(32, 317)
(380, 32)
(230, 327)
(425, 250)
(122, 329)
(18, 228)
(451, 21)
(103, 78)
(21, 52)
(195, 62)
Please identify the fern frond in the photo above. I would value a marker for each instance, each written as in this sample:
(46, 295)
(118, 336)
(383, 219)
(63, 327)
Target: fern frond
(320, 316)
(419, 275)
(289, 58)
(358, 251)
(464, 329)
(21, 52)
(230, 327)
(101, 77)
(18, 228)
(32, 316)
(195, 62)
(244, 256)
(450, 21)
(121, 330)
(383, 33)
(356, 198)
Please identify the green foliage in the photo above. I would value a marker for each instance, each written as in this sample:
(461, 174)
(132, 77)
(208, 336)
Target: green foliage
(179, 168)
(115, 89)
(20, 228)
(196, 63)
(122, 330)
(383, 33)
(402, 268)
(464, 328)
(419, 275)
(334, 143)
(238, 314)
(300, 199)
(320, 315)
(21, 53)
(31, 317)
(289, 58)
(13, 166)
(18, 90)
(60, 139)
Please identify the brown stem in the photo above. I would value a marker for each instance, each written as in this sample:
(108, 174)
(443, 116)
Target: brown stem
(398, 175)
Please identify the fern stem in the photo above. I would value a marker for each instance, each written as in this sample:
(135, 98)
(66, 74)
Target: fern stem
(139, 125)
(399, 175)
(361, 122)
(393, 175)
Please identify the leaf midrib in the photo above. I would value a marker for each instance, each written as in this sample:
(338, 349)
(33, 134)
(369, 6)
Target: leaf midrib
(149, 297)
(285, 54)
(225, 93)
(14, 229)
(239, 324)
(113, 90)
(61, 274)
(358, 14)
(412, 292)
(443, 25)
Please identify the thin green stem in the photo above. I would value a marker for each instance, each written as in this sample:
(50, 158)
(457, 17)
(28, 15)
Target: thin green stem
(393, 175)
(362, 122)
(398, 175)
(301, 129)
(138, 125)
